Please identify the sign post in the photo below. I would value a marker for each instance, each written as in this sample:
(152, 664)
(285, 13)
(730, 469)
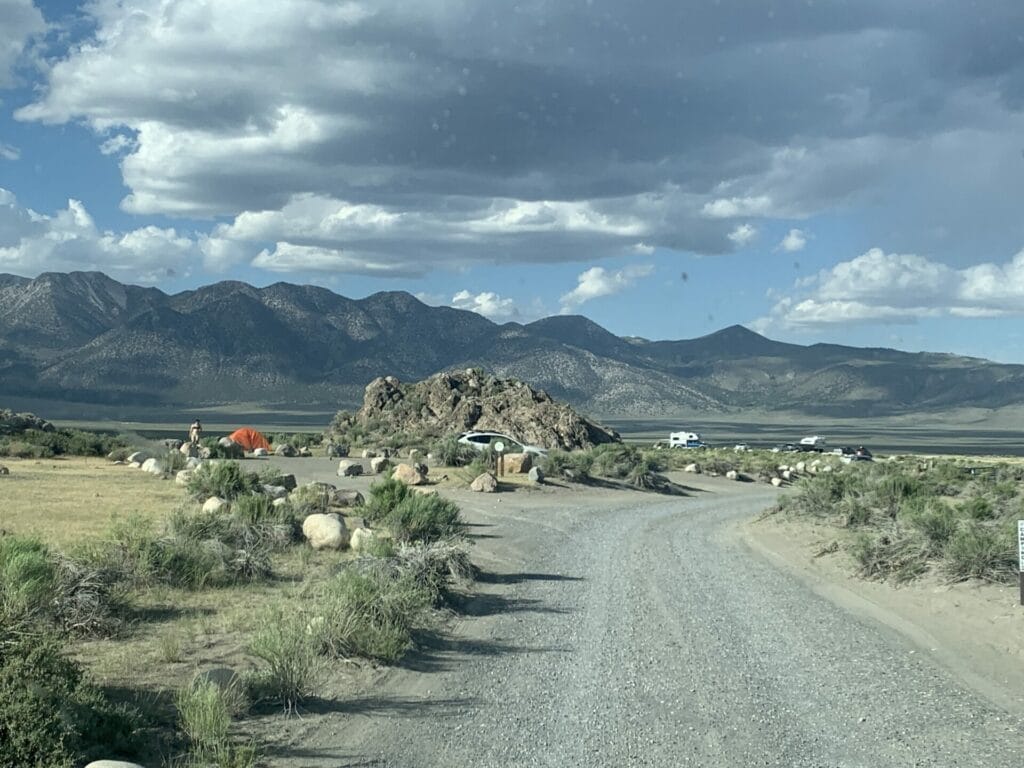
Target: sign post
(1020, 557)
(499, 448)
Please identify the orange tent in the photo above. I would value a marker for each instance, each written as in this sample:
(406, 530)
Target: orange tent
(249, 439)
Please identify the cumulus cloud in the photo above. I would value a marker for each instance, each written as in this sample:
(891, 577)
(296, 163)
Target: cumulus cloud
(742, 235)
(879, 287)
(795, 240)
(21, 21)
(488, 304)
(598, 281)
(438, 134)
(8, 152)
(31, 242)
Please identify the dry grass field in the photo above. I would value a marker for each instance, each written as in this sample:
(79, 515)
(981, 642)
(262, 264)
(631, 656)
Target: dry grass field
(63, 500)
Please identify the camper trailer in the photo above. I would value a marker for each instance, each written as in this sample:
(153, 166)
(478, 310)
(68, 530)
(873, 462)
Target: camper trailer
(813, 443)
(685, 440)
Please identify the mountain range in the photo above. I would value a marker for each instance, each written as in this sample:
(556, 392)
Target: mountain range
(85, 337)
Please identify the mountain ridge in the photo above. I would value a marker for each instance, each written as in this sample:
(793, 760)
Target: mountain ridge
(84, 336)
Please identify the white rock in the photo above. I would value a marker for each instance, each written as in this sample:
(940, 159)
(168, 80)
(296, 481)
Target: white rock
(777, 481)
(536, 476)
(409, 475)
(259, 453)
(368, 454)
(214, 504)
(275, 491)
(325, 531)
(183, 477)
(112, 764)
(193, 462)
(693, 469)
(138, 457)
(378, 464)
(787, 475)
(363, 537)
(134, 465)
(801, 466)
(153, 466)
(732, 474)
(280, 502)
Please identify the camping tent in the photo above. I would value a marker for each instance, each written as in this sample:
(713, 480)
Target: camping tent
(249, 439)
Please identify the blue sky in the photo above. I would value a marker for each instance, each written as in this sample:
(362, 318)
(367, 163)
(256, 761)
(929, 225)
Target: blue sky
(818, 171)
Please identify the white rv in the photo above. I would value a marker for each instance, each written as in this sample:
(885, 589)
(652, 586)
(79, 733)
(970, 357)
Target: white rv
(685, 440)
(813, 443)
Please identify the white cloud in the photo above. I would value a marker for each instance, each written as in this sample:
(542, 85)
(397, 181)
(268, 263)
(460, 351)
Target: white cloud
(70, 240)
(21, 21)
(488, 304)
(795, 240)
(117, 144)
(742, 235)
(597, 282)
(733, 207)
(879, 287)
(8, 152)
(288, 257)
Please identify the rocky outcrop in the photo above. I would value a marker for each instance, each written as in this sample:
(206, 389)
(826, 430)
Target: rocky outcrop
(449, 403)
(12, 423)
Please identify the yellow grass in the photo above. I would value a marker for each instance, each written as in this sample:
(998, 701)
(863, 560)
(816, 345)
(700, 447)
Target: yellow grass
(64, 500)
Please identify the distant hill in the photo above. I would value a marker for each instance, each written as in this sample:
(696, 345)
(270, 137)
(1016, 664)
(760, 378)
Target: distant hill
(85, 337)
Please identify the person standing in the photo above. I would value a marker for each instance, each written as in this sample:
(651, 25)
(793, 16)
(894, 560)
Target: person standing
(195, 432)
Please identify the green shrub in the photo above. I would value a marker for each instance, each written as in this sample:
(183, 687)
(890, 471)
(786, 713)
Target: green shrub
(385, 495)
(28, 578)
(34, 443)
(221, 478)
(420, 517)
(901, 558)
(450, 452)
(977, 508)
(563, 463)
(980, 552)
(50, 717)
(309, 499)
(19, 449)
(288, 645)
(371, 612)
(937, 522)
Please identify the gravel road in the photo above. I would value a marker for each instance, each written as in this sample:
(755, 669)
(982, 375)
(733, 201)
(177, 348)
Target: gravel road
(618, 629)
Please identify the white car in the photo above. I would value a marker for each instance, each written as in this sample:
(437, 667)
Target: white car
(480, 441)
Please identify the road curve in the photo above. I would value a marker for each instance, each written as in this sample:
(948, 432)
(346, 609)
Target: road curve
(646, 633)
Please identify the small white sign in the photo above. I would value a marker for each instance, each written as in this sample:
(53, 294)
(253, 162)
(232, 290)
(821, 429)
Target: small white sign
(500, 448)
(1020, 544)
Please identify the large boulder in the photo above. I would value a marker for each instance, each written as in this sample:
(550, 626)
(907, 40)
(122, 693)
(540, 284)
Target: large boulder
(189, 450)
(138, 457)
(379, 464)
(693, 469)
(335, 451)
(536, 475)
(183, 477)
(347, 468)
(286, 450)
(409, 474)
(484, 483)
(325, 531)
(260, 453)
(518, 463)
(153, 467)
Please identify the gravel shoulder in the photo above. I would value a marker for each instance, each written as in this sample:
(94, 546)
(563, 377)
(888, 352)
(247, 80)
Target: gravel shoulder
(617, 628)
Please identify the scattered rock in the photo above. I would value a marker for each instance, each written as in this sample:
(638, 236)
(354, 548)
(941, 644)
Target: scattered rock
(536, 475)
(693, 469)
(801, 466)
(279, 502)
(260, 453)
(138, 457)
(153, 466)
(485, 483)
(787, 474)
(304, 452)
(173, 444)
(205, 453)
(409, 474)
(368, 454)
(334, 451)
(182, 477)
(189, 450)
(414, 453)
(776, 481)
(232, 450)
(285, 449)
(192, 462)
(288, 481)
(518, 463)
(345, 498)
(348, 468)
(134, 465)
(112, 764)
(325, 531)
(423, 490)
(379, 464)
(214, 504)
(363, 537)
(827, 468)
(732, 474)
(275, 491)
(4, 470)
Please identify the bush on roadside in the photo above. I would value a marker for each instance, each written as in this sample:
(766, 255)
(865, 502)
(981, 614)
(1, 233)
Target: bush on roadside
(578, 464)
(288, 644)
(976, 551)
(34, 443)
(422, 517)
(449, 452)
(385, 495)
(50, 715)
(205, 710)
(224, 479)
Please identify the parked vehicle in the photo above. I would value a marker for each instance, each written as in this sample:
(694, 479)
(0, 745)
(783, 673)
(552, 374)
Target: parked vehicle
(481, 440)
(685, 440)
(785, 448)
(812, 443)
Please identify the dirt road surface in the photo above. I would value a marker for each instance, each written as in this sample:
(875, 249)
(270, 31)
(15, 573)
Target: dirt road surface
(625, 629)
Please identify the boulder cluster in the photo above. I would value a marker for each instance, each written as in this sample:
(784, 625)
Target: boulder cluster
(454, 402)
(12, 423)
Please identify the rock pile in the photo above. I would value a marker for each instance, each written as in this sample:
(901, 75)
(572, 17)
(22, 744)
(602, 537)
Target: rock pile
(449, 403)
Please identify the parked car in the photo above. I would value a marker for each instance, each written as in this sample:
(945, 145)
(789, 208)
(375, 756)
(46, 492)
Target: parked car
(481, 440)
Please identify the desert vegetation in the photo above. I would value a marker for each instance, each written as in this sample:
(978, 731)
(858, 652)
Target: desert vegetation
(904, 518)
(69, 610)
